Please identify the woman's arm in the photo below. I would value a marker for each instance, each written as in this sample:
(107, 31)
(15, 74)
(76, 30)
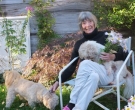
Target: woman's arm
(68, 72)
(120, 55)
(107, 56)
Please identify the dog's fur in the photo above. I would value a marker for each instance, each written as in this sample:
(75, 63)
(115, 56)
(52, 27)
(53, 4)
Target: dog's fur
(91, 50)
(30, 91)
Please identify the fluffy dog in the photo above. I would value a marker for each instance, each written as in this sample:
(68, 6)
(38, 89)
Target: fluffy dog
(91, 50)
(32, 92)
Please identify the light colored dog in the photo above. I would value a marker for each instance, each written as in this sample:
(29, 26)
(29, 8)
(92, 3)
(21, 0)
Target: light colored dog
(32, 92)
(91, 50)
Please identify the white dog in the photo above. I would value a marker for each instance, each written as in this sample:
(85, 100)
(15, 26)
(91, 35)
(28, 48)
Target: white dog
(32, 92)
(91, 50)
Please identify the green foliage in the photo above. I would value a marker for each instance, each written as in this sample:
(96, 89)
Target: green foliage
(101, 10)
(45, 21)
(123, 14)
(2, 95)
(116, 13)
(111, 46)
(15, 43)
(14, 38)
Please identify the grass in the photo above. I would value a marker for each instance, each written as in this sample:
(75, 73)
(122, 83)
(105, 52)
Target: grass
(108, 100)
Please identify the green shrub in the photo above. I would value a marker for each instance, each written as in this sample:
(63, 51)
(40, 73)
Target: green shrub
(116, 13)
(45, 21)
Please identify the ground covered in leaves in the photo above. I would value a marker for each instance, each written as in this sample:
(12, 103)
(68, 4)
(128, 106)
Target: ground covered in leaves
(46, 63)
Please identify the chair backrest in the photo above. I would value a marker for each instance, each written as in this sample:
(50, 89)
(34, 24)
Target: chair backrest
(129, 48)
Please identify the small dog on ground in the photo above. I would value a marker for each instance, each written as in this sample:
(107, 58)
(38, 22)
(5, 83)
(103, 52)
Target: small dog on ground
(91, 50)
(30, 91)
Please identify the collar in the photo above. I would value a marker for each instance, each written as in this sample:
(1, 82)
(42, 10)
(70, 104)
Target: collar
(90, 35)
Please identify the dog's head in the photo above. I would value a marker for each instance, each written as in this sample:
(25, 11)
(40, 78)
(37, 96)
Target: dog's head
(10, 77)
(50, 100)
(88, 50)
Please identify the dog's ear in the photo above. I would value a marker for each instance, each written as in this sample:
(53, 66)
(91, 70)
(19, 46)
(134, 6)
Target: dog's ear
(4, 75)
(10, 77)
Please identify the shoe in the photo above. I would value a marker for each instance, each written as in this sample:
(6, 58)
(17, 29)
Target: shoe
(66, 108)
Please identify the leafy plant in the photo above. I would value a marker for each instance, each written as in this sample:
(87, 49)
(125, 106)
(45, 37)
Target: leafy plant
(15, 42)
(122, 14)
(116, 13)
(45, 21)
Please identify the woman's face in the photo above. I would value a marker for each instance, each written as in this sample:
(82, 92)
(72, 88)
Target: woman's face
(88, 26)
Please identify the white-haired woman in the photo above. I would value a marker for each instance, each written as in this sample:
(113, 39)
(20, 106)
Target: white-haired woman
(90, 74)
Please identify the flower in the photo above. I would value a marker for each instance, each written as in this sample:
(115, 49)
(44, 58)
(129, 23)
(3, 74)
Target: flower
(114, 40)
(131, 104)
(29, 10)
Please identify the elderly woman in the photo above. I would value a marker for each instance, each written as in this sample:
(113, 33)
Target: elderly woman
(90, 74)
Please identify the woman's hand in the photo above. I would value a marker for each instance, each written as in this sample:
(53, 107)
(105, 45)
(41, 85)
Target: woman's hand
(107, 56)
(54, 86)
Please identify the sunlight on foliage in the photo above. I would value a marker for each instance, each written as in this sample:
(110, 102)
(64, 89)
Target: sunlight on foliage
(116, 13)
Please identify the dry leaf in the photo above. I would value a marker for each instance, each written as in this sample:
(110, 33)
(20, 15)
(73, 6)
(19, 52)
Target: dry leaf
(47, 62)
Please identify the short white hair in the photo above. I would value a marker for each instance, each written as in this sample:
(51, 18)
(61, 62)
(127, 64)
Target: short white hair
(86, 15)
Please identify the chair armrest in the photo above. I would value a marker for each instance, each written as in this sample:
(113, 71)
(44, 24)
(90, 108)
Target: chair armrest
(126, 60)
(118, 75)
(60, 73)
(72, 61)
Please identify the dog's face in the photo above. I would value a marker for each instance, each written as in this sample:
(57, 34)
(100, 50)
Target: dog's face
(92, 52)
(50, 100)
(88, 50)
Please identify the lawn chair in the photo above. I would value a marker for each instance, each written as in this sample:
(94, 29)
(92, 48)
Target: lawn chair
(115, 89)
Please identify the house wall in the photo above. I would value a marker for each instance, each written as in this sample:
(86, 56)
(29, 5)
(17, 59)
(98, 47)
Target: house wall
(65, 13)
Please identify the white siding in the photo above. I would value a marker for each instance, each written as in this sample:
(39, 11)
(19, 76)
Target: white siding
(21, 59)
(14, 1)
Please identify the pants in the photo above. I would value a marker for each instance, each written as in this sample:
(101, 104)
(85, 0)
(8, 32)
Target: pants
(90, 74)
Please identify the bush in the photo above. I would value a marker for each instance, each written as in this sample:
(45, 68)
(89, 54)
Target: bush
(116, 13)
(45, 21)
(45, 64)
